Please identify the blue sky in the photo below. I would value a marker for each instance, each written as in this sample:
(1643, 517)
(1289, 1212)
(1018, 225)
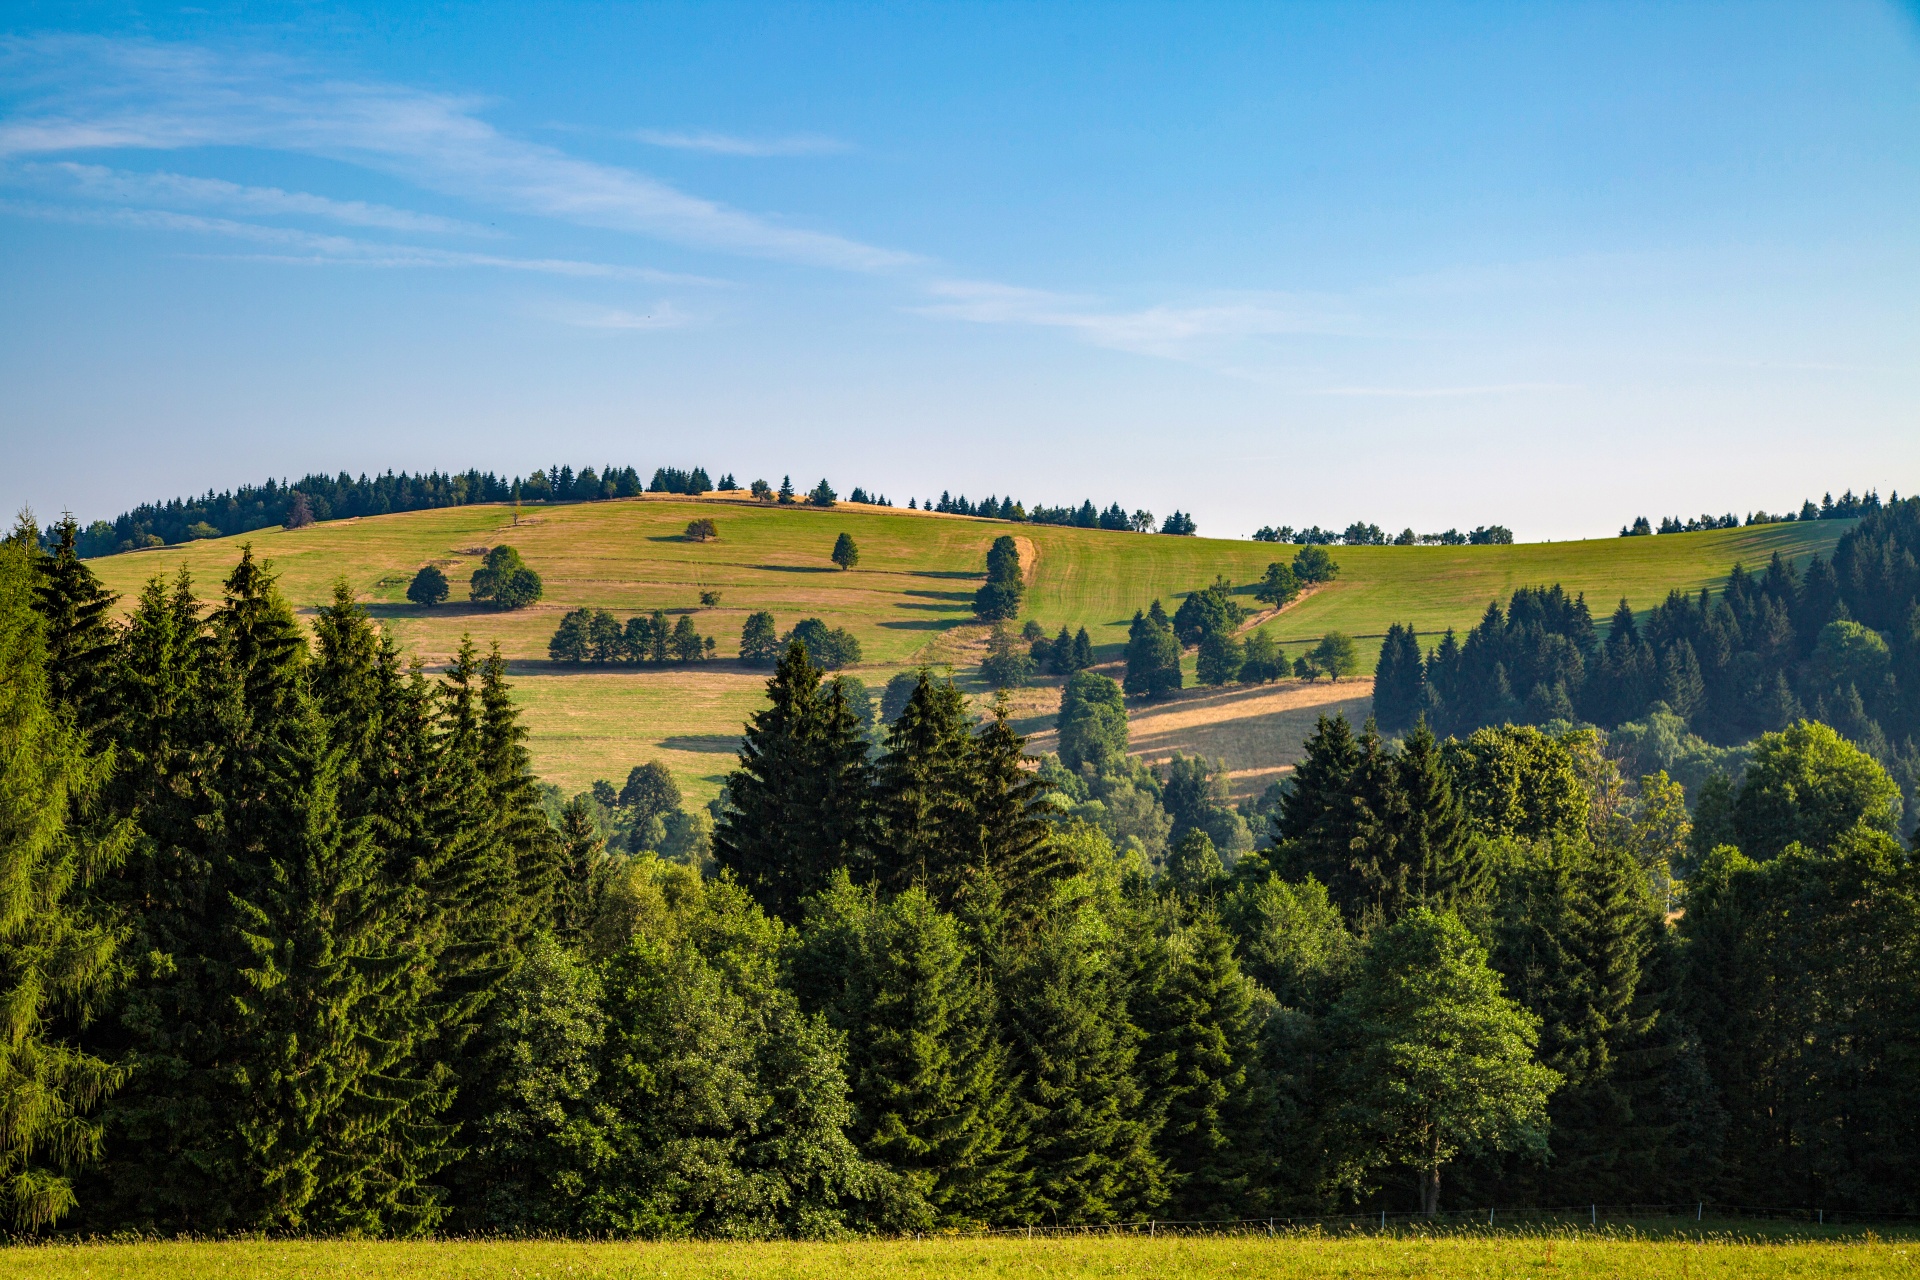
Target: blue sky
(1546, 265)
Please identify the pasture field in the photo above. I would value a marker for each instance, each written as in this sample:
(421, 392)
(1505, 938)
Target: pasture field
(907, 601)
(1701, 1255)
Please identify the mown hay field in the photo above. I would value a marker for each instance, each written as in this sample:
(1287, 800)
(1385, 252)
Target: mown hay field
(907, 601)
(1739, 1254)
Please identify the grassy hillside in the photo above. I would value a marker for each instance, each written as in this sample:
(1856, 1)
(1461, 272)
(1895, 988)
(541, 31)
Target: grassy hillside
(907, 601)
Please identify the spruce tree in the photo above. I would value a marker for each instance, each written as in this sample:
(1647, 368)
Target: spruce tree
(1398, 680)
(1316, 825)
(56, 955)
(929, 1078)
(1203, 1074)
(1447, 866)
(79, 636)
(1090, 1155)
(924, 802)
(798, 805)
(1015, 844)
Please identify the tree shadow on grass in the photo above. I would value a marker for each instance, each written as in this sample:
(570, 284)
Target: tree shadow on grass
(949, 573)
(462, 609)
(924, 624)
(939, 595)
(713, 744)
(797, 568)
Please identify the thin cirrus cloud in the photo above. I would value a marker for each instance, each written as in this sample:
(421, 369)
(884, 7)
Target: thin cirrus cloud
(723, 144)
(91, 93)
(116, 186)
(294, 245)
(1169, 331)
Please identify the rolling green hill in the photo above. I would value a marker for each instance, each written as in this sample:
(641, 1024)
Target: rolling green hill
(908, 601)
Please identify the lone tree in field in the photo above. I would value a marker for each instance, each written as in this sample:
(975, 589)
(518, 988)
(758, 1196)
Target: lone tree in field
(786, 490)
(845, 553)
(702, 530)
(1335, 655)
(822, 495)
(504, 581)
(428, 588)
(999, 599)
(1435, 1061)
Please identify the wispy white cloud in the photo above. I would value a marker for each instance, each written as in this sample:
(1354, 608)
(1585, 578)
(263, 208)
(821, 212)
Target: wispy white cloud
(97, 182)
(92, 93)
(310, 247)
(1433, 393)
(724, 144)
(1164, 330)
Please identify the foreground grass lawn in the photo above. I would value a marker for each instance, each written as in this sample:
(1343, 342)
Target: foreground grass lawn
(1747, 1252)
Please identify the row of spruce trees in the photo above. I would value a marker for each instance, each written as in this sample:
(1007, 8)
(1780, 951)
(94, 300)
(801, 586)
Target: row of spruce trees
(291, 946)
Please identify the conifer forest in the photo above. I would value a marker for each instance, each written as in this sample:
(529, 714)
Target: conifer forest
(294, 942)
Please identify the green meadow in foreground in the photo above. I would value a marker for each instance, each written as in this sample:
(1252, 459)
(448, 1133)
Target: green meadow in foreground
(908, 600)
(1742, 1252)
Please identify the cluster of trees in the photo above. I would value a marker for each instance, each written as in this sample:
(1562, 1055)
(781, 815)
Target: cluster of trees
(998, 598)
(1062, 655)
(870, 499)
(596, 636)
(1362, 534)
(831, 647)
(303, 954)
(674, 480)
(1838, 640)
(645, 815)
(1209, 621)
(1084, 516)
(503, 580)
(1847, 507)
(822, 494)
(341, 497)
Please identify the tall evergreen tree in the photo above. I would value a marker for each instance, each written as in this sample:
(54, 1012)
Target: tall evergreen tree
(798, 805)
(56, 955)
(1399, 680)
(1203, 1073)
(923, 797)
(929, 1077)
(79, 636)
(1447, 867)
(1090, 1133)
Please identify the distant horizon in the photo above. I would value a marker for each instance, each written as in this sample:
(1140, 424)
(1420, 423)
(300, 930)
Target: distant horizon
(1751, 516)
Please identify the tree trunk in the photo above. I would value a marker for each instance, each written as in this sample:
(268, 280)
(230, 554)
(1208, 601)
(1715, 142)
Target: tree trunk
(1430, 1181)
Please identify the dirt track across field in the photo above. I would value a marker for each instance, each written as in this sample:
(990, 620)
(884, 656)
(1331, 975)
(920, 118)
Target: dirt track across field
(1258, 730)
